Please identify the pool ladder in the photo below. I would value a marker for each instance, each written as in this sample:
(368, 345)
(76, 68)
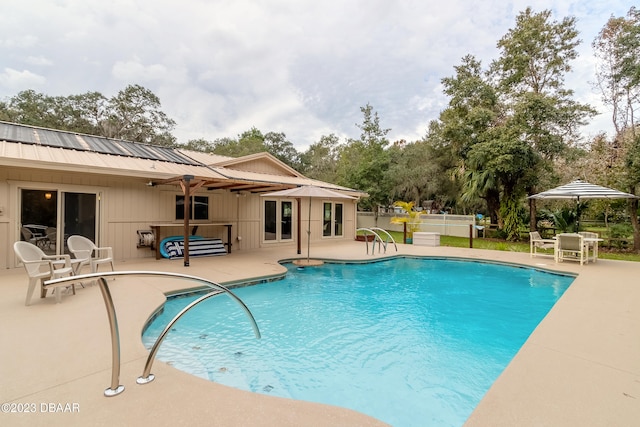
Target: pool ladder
(376, 231)
(216, 289)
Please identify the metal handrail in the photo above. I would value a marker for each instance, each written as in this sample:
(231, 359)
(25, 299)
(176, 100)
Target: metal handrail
(146, 377)
(378, 239)
(386, 241)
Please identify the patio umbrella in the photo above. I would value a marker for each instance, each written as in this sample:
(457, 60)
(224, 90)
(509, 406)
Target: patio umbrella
(578, 190)
(309, 191)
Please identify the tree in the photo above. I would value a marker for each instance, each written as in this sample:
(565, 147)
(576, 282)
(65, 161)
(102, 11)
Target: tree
(199, 144)
(85, 112)
(473, 113)
(321, 158)
(415, 173)
(617, 48)
(254, 141)
(135, 115)
(248, 142)
(32, 108)
(362, 163)
(277, 144)
(535, 56)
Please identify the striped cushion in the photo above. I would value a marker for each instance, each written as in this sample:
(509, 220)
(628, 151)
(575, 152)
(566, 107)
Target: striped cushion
(201, 247)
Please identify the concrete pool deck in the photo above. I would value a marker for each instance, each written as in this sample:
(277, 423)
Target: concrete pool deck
(580, 367)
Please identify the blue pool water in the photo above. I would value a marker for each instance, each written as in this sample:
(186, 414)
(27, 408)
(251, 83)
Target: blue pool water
(412, 342)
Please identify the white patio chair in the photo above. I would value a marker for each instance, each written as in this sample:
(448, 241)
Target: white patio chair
(537, 242)
(570, 246)
(41, 267)
(89, 254)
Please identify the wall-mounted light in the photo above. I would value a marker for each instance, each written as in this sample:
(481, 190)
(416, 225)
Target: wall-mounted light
(48, 195)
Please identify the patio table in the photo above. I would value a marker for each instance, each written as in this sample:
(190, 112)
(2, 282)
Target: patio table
(594, 251)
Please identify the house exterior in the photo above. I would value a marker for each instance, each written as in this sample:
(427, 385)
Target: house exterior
(54, 184)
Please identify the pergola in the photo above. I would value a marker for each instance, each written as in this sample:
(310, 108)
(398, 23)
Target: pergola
(190, 183)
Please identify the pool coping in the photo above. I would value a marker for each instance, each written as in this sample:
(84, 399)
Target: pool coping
(581, 366)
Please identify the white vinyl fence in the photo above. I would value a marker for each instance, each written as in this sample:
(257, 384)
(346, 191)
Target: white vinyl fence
(445, 224)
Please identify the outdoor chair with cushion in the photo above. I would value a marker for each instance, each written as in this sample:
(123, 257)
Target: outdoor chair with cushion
(89, 254)
(570, 246)
(41, 267)
(536, 242)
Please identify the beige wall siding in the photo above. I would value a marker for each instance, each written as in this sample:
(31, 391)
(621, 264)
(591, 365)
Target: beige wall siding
(6, 238)
(128, 204)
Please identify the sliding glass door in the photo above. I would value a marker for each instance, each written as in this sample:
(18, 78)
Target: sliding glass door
(49, 217)
(39, 218)
(79, 214)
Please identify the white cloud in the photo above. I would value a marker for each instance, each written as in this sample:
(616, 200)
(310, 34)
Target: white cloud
(303, 68)
(20, 42)
(13, 81)
(38, 60)
(134, 71)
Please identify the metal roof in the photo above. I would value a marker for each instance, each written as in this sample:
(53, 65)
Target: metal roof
(17, 154)
(12, 132)
(22, 145)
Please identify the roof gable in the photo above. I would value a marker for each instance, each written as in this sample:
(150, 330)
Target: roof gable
(261, 163)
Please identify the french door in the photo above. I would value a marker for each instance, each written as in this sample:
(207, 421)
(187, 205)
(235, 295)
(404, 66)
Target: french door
(332, 219)
(278, 220)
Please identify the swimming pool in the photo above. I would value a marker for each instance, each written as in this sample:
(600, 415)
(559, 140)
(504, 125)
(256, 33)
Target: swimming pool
(410, 341)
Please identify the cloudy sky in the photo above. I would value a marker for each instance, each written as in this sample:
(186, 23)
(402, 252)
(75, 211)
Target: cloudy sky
(300, 67)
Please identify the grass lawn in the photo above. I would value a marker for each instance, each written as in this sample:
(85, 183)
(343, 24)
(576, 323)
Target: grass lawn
(503, 245)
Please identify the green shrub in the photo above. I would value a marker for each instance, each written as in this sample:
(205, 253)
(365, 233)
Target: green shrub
(620, 231)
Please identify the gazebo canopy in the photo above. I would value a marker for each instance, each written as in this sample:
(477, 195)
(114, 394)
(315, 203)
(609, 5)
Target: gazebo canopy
(579, 189)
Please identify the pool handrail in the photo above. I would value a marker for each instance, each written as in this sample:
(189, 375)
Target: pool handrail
(217, 289)
(386, 241)
(377, 238)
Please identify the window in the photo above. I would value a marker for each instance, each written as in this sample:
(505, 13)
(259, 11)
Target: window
(198, 207)
(278, 220)
(332, 219)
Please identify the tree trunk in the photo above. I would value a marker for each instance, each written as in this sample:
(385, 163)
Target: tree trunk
(493, 206)
(533, 213)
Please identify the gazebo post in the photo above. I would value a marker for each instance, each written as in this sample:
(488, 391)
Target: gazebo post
(186, 187)
(299, 224)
